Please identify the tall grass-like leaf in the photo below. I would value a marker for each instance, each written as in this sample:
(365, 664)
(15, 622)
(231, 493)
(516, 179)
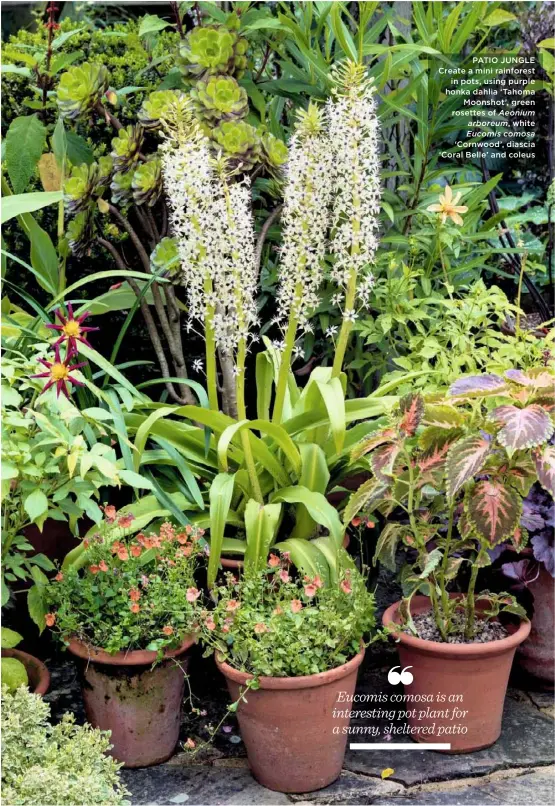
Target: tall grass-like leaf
(21, 203)
(276, 432)
(184, 469)
(315, 476)
(104, 364)
(261, 524)
(318, 507)
(221, 493)
(306, 557)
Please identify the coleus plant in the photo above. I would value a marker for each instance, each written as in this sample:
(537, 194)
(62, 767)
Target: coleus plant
(450, 475)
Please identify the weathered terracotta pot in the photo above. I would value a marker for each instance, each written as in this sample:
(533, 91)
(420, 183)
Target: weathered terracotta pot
(537, 653)
(472, 678)
(293, 741)
(139, 703)
(38, 674)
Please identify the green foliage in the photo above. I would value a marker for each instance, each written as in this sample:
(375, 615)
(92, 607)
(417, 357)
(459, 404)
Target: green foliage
(81, 89)
(129, 593)
(42, 763)
(220, 98)
(239, 142)
(14, 674)
(269, 624)
(212, 50)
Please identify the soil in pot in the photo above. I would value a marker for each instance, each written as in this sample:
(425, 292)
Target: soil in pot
(458, 689)
(38, 674)
(140, 703)
(294, 743)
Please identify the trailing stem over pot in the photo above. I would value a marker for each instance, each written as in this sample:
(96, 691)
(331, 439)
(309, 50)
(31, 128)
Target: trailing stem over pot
(450, 475)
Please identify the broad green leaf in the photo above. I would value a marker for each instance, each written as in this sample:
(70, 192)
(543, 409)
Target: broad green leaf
(35, 505)
(37, 606)
(25, 142)
(9, 638)
(19, 204)
(318, 508)
(276, 432)
(306, 557)
(261, 523)
(151, 24)
(498, 17)
(221, 492)
(314, 476)
(135, 479)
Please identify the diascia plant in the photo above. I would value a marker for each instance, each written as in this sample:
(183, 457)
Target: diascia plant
(450, 476)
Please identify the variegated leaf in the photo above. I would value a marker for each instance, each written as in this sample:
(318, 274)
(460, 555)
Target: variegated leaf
(442, 416)
(545, 468)
(412, 409)
(465, 458)
(477, 385)
(522, 428)
(430, 563)
(371, 442)
(493, 510)
(539, 379)
(435, 437)
(386, 547)
(522, 475)
(382, 461)
(519, 538)
(367, 496)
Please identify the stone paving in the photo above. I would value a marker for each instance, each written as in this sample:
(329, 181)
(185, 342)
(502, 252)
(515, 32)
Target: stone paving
(519, 768)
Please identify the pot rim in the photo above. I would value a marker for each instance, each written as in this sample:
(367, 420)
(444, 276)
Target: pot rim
(30, 660)
(133, 657)
(455, 650)
(292, 683)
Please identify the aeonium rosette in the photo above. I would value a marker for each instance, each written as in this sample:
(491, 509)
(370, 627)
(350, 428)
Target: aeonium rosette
(450, 475)
(129, 592)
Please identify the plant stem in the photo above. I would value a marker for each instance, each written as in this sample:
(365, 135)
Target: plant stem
(444, 567)
(210, 346)
(519, 292)
(346, 326)
(285, 363)
(470, 602)
(242, 415)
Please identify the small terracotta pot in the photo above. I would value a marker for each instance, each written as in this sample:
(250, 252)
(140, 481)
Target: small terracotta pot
(471, 677)
(38, 674)
(537, 653)
(293, 741)
(139, 703)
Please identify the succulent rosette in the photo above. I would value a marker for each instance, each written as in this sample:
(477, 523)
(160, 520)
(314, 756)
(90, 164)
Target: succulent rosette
(79, 187)
(147, 181)
(80, 233)
(80, 89)
(155, 106)
(126, 147)
(105, 168)
(212, 50)
(220, 98)
(165, 258)
(122, 187)
(239, 142)
(275, 153)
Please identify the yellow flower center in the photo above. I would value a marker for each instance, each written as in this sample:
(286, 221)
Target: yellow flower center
(59, 372)
(71, 328)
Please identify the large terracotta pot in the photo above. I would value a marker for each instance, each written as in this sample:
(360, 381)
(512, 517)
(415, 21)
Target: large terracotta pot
(537, 653)
(139, 703)
(470, 677)
(38, 674)
(293, 741)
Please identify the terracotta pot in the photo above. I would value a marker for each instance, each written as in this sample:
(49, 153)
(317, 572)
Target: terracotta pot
(141, 705)
(288, 726)
(472, 677)
(38, 674)
(537, 653)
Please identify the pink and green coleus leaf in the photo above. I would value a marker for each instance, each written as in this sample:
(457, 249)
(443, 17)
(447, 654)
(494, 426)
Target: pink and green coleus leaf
(371, 442)
(477, 385)
(522, 428)
(368, 496)
(493, 510)
(442, 415)
(539, 378)
(412, 409)
(465, 458)
(545, 468)
(382, 461)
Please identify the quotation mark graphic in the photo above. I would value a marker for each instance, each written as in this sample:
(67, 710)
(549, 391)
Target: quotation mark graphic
(404, 676)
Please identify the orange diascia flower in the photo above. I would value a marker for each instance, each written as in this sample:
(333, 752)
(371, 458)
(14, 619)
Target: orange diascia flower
(102, 565)
(296, 605)
(136, 551)
(182, 538)
(317, 582)
(126, 520)
(210, 624)
(134, 607)
(167, 630)
(277, 611)
(94, 569)
(110, 513)
(192, 594)
(50, 619)
(346, 586)
(167, 532)
(116, 546)
(59, 576)
(284, 576)
(232, 605)
(260, 628)
(448, 207)
(134, 594)
(189, 744)
(184, 551)
(356, 521)
(273, 562)
(123, 554)
(310, 590)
